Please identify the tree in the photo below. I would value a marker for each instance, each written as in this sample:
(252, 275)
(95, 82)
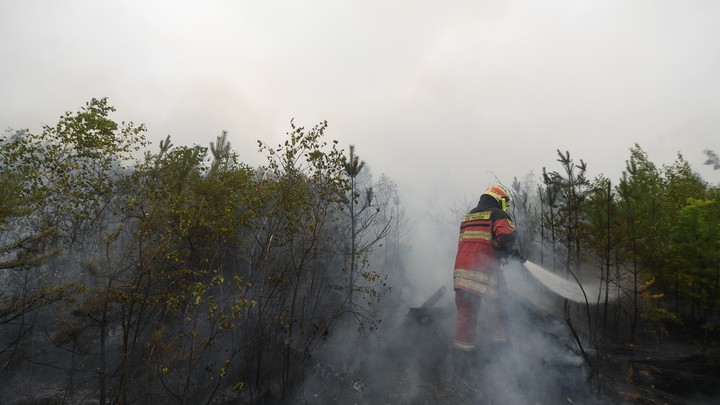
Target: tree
(370, 224)
(353, 166)
(695, 245)
(682, 185)
(603, 240)
(22, 244)
(198, 277)
(190, 218)
(75, 164)
(69, 172)
(302, 187)
(642, 213)
(524, 211)
(569, 191)
(23, 249)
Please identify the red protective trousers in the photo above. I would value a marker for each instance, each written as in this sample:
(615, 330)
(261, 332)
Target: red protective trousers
(468, 306)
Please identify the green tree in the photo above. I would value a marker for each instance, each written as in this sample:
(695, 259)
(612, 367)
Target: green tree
(199, 277)
(603, 241)
(75, 164)
(695, 237)
(570, 190)
(299, 239)
(524, 209)
(642, 211)
(21, 245)
(23, 249)
(681, 185)
(353, 166)
(164, 282)
(68, 173)
(368, 209)
(191, 216)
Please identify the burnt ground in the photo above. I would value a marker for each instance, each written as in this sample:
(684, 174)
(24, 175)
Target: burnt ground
(669, 372)
(542, 364)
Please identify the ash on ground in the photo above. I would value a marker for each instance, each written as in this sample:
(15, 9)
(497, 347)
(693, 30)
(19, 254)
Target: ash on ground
(542, 362)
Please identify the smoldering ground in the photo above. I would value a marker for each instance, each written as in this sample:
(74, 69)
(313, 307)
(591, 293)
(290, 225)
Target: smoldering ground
(411, 360)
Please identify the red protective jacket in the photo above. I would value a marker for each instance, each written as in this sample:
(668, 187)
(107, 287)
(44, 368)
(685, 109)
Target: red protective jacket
(486, 234)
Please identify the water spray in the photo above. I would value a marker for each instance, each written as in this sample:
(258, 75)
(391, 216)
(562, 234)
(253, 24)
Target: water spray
(569, 289)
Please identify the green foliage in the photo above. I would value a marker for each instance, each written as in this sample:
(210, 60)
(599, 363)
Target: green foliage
(566, 193)
(603, 240)
(74, 165)
(642, 208)
(696, 250)
(653, 238)
(195, 276)
(21, 244)
(190, 277)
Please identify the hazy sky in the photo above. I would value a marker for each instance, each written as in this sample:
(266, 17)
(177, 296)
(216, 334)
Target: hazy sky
(435, 94)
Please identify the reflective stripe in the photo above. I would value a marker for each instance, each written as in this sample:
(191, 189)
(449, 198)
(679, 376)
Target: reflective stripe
(464, 346)
(473, 281)
(476, 235)
(470, 286)
(473, 275)
(498, 192)
(477, 216)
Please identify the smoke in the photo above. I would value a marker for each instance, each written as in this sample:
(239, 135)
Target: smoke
(539, 362)
(412, 361)
(409, 359)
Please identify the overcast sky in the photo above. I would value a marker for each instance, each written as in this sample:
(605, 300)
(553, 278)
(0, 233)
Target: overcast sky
(441, 96)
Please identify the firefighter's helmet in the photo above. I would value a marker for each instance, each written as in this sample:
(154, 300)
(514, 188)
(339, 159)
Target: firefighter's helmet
(500, 194)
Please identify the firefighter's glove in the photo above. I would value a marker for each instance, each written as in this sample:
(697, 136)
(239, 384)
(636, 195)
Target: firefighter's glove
(517, 256)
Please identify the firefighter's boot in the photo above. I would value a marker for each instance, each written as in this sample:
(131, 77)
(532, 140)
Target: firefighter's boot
(464, 363)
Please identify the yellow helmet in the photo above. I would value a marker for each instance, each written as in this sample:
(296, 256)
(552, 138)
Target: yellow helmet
(500, 194)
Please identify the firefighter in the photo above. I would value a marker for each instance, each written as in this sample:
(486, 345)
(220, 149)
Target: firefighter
(487, 235)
